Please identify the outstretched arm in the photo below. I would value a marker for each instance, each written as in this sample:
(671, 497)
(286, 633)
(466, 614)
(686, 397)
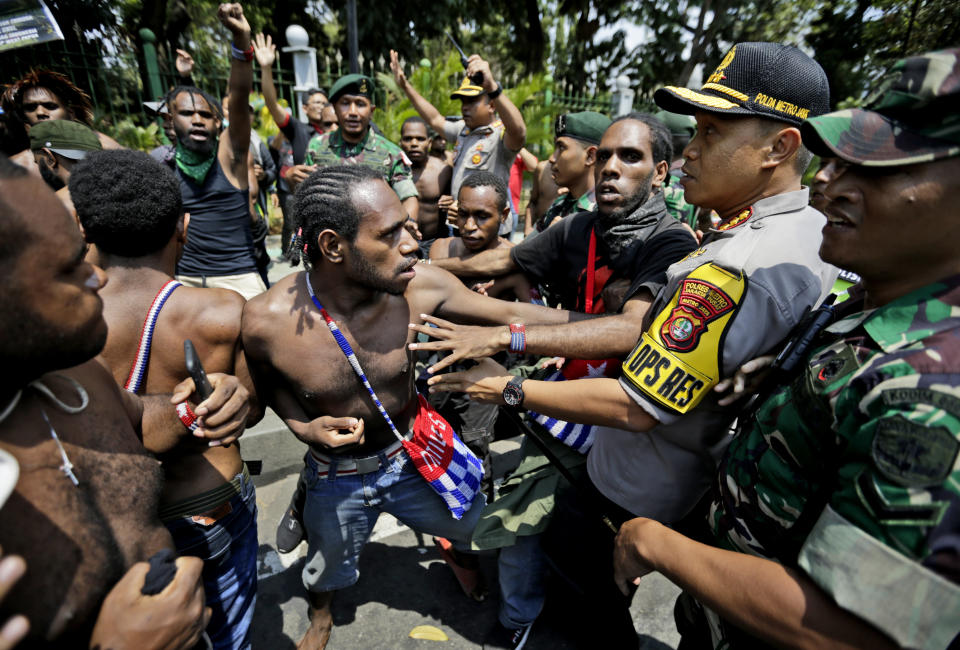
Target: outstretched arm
(491, 263)
(427, 111)
(235, 146)
(599, 401)
(266, 53)
(769, 600)
(613, 335)
(515, 130)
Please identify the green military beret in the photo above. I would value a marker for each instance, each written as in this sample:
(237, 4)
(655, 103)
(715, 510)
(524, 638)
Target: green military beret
(585, 125)
(677, 123)
(64, 137)
(352, 84)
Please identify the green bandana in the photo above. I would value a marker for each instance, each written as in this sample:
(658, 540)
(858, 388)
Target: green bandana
(193, 164)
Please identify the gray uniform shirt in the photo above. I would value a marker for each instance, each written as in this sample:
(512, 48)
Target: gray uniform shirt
(662, 473)
(480, 148)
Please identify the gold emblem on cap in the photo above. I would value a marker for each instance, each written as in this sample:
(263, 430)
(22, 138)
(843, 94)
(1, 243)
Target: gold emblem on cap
(363, 85)
(718, 75)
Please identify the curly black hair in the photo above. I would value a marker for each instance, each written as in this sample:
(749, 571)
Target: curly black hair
(322, 202)
(127, 202)
(482, 178)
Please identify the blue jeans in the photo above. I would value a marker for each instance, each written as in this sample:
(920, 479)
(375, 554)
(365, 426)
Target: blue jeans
(521, 571)
(228, 548)
(340, 512)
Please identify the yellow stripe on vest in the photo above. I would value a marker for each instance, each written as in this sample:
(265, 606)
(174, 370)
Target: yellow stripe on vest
(677, 360)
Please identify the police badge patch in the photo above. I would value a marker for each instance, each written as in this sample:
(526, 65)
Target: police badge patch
(699, 303)
(677, 360)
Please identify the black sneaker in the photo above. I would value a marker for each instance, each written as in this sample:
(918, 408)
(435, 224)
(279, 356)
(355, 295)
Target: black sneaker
(290, 531)
(504, 637)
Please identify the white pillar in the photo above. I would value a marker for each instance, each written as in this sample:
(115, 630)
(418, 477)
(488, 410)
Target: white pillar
(304, 66)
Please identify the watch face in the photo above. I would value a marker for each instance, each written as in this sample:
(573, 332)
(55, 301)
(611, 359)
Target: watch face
(512, 394)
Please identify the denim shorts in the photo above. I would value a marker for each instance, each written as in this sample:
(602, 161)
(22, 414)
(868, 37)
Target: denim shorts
(228, 548)
(340, 512)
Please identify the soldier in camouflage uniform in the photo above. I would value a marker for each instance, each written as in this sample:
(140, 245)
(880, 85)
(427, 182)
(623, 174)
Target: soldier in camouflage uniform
(837, 508)
(356, 143)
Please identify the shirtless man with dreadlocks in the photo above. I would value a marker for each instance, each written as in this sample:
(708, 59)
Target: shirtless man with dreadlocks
(360, 267)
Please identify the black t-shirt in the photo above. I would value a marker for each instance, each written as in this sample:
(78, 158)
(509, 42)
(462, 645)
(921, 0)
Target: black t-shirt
(558, 257)
(298, 135)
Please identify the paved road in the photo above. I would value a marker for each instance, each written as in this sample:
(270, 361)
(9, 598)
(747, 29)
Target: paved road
(403, 581)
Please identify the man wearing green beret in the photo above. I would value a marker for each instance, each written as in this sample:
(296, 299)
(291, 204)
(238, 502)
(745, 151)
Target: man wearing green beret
(488, 137)
(354, 142)
(576, 137)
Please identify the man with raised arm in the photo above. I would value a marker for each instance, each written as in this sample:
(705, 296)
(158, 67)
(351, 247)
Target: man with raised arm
(213, 173)
(488, 137)
(130, 209)
(361, 270)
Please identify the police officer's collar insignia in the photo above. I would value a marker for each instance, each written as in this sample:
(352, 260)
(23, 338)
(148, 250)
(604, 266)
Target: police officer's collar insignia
(699, 303)
(737, 220)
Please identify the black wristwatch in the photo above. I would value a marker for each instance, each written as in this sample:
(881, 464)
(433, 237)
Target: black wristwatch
(513, 393)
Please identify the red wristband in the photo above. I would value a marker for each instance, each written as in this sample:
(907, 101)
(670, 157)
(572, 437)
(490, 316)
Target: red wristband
(187, 416)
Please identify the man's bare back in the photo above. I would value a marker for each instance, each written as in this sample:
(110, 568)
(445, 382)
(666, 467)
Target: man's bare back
(432, 181)
(210, 318)
(92, 533)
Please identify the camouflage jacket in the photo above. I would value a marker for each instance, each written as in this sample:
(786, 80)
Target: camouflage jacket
(566, 205)
(374, 151)
(677, 206)
(850, 472)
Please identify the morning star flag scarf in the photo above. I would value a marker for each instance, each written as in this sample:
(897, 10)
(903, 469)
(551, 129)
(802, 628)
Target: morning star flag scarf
(451, 469)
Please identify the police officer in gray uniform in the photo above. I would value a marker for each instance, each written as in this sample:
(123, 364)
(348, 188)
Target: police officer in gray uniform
(489, 136)
(731, 300)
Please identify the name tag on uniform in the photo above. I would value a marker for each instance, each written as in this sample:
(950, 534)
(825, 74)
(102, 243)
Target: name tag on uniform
(677, 360)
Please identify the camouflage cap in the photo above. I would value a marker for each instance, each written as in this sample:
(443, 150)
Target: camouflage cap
(585, 125)
(64, 137)
(768, 80)
(913, 117)
(350, 84)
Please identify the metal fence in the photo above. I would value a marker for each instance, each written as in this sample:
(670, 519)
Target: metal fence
(112, 74)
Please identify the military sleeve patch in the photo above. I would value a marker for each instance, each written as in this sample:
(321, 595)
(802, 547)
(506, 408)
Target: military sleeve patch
(677, 360)
(912, 454)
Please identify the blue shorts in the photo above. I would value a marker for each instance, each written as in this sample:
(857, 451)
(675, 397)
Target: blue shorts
(341, 510)
(228, 548)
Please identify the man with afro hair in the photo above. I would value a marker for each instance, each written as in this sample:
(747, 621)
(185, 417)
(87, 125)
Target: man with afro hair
(130, 208)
